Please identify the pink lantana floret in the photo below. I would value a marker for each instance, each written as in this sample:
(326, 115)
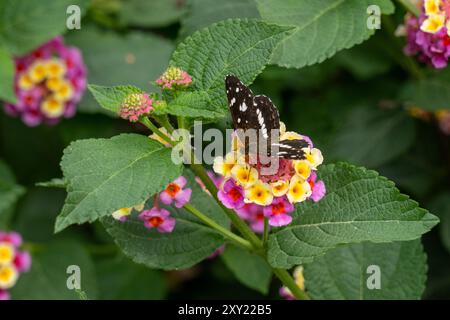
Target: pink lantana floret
(174, 77)
(278, 212)
(158, 218)
(231, 195)
(135, 105)
(174, 192)
(317, 187)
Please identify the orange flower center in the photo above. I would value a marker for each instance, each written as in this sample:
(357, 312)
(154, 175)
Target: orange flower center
(172, 189)
(234, 194)
(278, 208)
(312, 184)
(259, 216)
(156, 221)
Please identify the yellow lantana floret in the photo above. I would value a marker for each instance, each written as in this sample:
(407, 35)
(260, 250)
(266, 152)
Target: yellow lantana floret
(52, 108)
(38, 71)
(299, 278)
(259, 193)
(223, 166)
(302, 168)
(25, 82)
(433, 23)
(299, 190)
(279, 188)
(8, 276)
(54, 83)
(55, 68)
(432, 7)
(6, 253)
(244, 175)
(64, 92)
(314, 157)
(123, 212)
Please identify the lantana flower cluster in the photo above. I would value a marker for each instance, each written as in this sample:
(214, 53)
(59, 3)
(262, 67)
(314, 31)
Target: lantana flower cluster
(49, 82)
(174, 77)
(175, 193)
(428, 36)
(442, 117)
(255, 196)
(13, 261)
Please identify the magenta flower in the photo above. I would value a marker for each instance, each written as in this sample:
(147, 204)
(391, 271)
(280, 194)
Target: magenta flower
(286, 294)
(49, 82)
(430, 48)
(174, 77)
(318, 188)
(278, 212)
(216, 179)
(175, 192)
(4, 295)
(22, 261)
(231, 195)
(158, 218)
(12, 237)
(135, 105)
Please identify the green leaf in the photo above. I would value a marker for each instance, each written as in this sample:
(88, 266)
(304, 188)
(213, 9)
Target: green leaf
(110, 98)
(25, 24)
(372, 130)
(190, 242)
(121, 279)
(155, 13)
(47, 279)
(359, 206)
(194, 105)
(430, 93)
(10, 192)
(105, 175)
(7, 71)
(202, 13)
(250, 269)
(210, 54)
(112, 59)
(323, 27)
(54, 183)
(345, 272)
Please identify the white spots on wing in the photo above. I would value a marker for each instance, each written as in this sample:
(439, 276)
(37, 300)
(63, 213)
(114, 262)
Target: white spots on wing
(237, 89)
(239, 120)
(243, 107)
(261, 123)
(233, 100)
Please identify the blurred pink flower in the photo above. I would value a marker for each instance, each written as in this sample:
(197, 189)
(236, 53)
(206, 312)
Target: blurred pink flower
(49, 82)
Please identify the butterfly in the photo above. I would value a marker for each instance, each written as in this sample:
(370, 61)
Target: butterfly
(259, 113)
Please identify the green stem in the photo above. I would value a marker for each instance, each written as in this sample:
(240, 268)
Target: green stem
(243, 228)
(289, 282)
(410, 7)
(146, 122)
(266, 232)
(228, 234)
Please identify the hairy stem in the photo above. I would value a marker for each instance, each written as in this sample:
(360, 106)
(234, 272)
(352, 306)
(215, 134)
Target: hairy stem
(243, 228)
(146, 122)
(228, 234)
